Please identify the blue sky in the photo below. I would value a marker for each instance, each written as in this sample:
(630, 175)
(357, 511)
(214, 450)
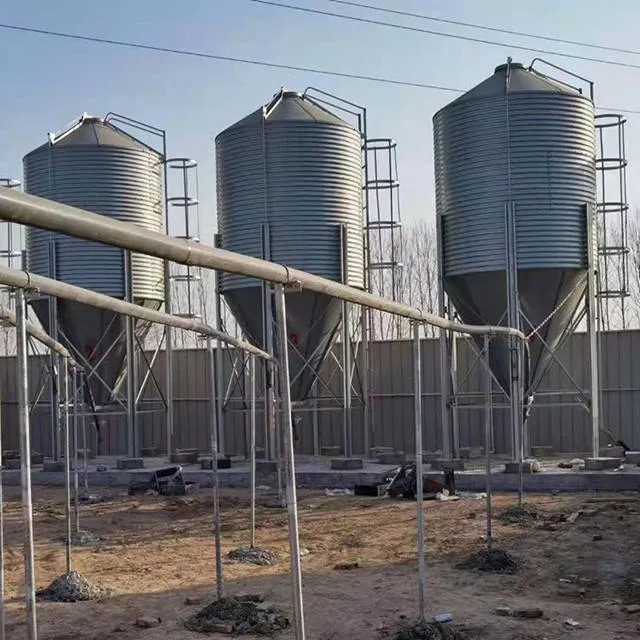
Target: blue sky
(47, 82)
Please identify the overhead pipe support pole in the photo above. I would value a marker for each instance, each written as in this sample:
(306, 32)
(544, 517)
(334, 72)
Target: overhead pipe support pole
(2, 562)
(417, 391)
(25, 464)
(488, 428)
(444, 351)
(290, 469)
(252, 458)
(67, 461)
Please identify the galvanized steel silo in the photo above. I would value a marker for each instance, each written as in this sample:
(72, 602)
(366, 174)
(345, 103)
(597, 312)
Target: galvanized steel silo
(289, 184)
(98, 167)
(524, 140)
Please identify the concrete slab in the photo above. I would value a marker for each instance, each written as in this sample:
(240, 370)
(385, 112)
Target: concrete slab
(514, 467)
(599, 464)
(330, 452)
(129, 463)
(50, 466)
(440, 464)
(611, 452)
(542, 451)
(468, 453)
(632, 457)
(392, 457)
(348, 464)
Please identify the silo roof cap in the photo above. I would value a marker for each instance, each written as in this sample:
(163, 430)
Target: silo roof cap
(290, 106)
(92, 131)
(521, 80)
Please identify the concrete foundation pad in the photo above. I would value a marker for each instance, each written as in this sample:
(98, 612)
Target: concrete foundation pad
(514, 467)
(266, 467)
(330, 452)
(184, 457)
(53, 467)
(599, 464)
(611, 452)
(542, 451)
(374, 452)
(632, 457)
(468, 453)
(392, 457)
(440, 464)
(346, 464)
(129, 463)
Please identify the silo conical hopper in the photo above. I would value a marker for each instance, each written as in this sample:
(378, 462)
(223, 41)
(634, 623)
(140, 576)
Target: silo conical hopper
(523, 141)
(96, 166)
(289, 185)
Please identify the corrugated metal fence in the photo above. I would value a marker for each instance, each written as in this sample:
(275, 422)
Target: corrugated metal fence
(566, 427)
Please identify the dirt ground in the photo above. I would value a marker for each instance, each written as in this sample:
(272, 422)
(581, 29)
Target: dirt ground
(157, 551)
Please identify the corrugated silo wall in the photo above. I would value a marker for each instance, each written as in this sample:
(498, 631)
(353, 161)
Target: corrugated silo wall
(566, 428)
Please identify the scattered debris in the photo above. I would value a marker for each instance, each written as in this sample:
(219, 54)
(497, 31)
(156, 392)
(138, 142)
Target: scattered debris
(574, 516)
(504, 612)
(523, 516)
(346, 566)
(91, 498)
(304, 552)
(338, 492)
(190, 602)
(443, 617)
(401, 482)
(253, 555)
(496, 560)
(148, 622)
(570, 622)
(84, 539)
(575, 463)
(429, 631)
(72, 587)
(238, 615)
(597, 537)
(529, 613)
(632, 608)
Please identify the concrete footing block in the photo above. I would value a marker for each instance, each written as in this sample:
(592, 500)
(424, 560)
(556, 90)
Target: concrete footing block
(611, 452)
(468, 453)
(124, 464)
(261, 454)
(392, 457)
(148, 452)
(514, 467)
(632, 457)
(440, 464)
(374, 452)
(185, 456)
(542, 451)
(11, 464)
(266, 467)
(51, 466)
(602, 463)
(331, 451)
(346, 464)
(206, 463)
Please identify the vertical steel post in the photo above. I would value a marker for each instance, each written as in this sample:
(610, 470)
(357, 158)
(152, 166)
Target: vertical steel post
(219, 379)
(2, 620)
(168, 333)
(76, 483)
(444, 351)
(54, 361)
(453, 372)
(488, 428)
(346, 353)
(215, 488)
(25, 464)
(366, 400)
(132, 421)
(290, 475)
(592, 329)
(515, 347)
(417, 395)
(85, 466)
(67, 460)
(252, 365)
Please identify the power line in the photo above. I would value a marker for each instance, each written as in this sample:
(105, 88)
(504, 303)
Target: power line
(211, 56)
(261, 63)
(444, 34)
(512, 32)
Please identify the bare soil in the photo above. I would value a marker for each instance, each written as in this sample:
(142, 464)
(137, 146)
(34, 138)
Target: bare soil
(156, 554)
